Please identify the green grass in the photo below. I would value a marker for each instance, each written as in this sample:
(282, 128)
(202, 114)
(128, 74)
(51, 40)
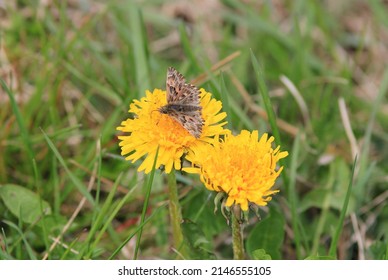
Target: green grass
(68, 74)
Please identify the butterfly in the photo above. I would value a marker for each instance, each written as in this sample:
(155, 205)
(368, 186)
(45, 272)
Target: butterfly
(183, 103)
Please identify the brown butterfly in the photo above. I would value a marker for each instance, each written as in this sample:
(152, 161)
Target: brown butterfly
(183, 103)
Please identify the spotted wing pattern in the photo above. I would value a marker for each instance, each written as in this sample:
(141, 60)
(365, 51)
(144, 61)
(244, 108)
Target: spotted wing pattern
(183, 103)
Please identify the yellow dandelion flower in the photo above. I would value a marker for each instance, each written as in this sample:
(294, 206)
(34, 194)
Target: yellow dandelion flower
(149, 129)
(241, 166)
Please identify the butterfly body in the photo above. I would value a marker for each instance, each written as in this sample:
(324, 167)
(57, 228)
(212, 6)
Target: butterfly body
(179, 108)
(183, 103)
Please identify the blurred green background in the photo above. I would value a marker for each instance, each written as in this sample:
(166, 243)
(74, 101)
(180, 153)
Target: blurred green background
(70, 69)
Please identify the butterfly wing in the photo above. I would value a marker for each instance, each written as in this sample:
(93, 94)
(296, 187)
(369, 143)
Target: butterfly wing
(191, 121)
(190, 95)
(178, 91)
(185, 97)
(174, 84)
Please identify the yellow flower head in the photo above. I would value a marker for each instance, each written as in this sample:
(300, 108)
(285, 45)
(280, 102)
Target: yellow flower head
(150, 129)
(241, 166)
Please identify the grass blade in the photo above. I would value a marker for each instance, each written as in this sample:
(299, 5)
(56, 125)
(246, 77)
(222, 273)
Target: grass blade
(112, 216)
(141, 225)
(100, 221)
(188, 48)
(267, 100)
(23, 130)
(28, 248)
(225, 101)
(146, 201)
(139, 49)
(292, 195)
(365, 153)
(334, 243)
(77, 182)
(269, 109)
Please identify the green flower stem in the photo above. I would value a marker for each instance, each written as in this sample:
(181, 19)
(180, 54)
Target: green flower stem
(237, 239)
(175, 215)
